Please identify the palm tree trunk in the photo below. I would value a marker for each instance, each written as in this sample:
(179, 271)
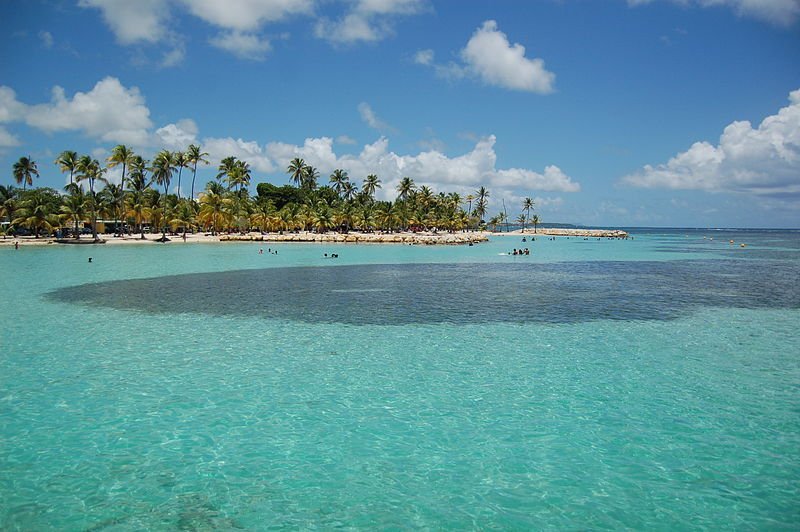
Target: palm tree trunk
(180, 169)
(194, 174)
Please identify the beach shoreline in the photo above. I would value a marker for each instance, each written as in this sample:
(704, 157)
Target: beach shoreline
(407, 237)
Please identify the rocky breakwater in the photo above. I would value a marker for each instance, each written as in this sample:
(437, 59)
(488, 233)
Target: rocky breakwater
(361, 238)
(595, 233)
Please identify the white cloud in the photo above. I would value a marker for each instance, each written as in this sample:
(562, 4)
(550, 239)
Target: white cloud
(46, 38)
(110, 112)
(778, 12)
(463, 173)
(132, 22)
(177, 136)
(246, 15)
(367, 21)
(242, 45)
(7, 140)
(370, 118)
(344, 139)
(250, 151)
(490, 57)
(424, 57)
(11, 109)
(762, 161)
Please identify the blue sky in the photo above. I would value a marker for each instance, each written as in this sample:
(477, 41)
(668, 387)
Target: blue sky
(612, 112)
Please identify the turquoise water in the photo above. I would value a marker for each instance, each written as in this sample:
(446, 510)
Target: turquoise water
(648, 384)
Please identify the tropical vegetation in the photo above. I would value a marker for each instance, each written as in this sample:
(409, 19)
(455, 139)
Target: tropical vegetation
(141, 198)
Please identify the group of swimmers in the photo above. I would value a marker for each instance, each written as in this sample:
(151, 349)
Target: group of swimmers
(331, 256)
(525, 251)
(269, 250)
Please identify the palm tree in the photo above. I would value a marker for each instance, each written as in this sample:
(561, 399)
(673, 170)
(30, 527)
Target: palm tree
(8, 203)
(527, 205)
(213, 210)
(182, 216)
(470, 198)
(226, 167)
(163, 168)
(123, 155)
(113, 197)
(67, 162)
(238, 175)
(181, 162)
(36, 213)
(309, 178)
(521, 220)
(24, 170)
(350, 191)
(193, 157)
(371, 183)
(338, 179)
(481, 197)
(405, 188)
(296, 171)
(535, 221)
(75, 207)
(90, 170)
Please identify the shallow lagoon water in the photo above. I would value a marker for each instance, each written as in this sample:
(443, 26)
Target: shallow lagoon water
(127, 404)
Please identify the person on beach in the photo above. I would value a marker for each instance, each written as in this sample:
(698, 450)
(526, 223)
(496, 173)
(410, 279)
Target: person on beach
(16, 245)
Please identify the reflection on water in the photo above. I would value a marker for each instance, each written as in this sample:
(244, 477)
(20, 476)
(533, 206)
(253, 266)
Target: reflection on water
(459, 293)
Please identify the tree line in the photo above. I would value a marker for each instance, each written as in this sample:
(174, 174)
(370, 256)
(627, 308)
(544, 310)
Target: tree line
(142, 200)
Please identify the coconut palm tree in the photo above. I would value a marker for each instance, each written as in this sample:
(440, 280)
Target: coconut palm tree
(24, 170)
(8, 203)
(36, 213)
(521, 220)
(123, 155)
(371, 183)
(296, 171)
(238, 175)
(338, 179)
(181, 162)
(75, 207)
(90, 170)
(527, 205)
(225, 168)
(470, 198)
(162, 169)
(113, 198)
(405, 188)
(194, 156)
(535, 220)
(67, 162)
(309, 178)
(350, 191)
(182, 216)
(213, 210)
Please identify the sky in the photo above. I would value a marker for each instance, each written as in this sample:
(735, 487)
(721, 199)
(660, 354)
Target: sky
(674, 113)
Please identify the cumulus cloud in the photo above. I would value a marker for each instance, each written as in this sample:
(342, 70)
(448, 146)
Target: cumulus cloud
(177, 136)
(490, 57)
(109, 112)
(7, 140)
(762, 161)
(778, 12)
(246, 15)
(243, 45)
(367, 20)
(132, 22)
(250, 151)
(433, 168)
